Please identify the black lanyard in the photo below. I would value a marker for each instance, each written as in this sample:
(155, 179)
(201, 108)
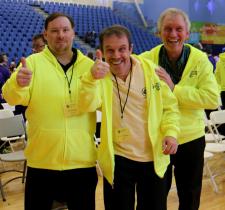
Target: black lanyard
(66, 67)
(69, 80)
(122, 108)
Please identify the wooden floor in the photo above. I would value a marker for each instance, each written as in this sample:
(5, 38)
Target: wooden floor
(209, 199)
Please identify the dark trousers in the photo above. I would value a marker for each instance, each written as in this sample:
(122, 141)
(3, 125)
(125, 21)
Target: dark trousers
(188, 165)
(76, 187)
(130, 177)
(222, 95)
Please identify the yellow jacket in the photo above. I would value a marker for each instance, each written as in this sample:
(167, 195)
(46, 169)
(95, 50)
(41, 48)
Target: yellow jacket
(196, 91)
(55, 141)
(163, 116)
(220, 71)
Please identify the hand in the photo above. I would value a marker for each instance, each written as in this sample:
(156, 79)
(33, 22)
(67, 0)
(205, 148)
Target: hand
(24, 75)
(163, 75)
(170, 145)
(100, 68)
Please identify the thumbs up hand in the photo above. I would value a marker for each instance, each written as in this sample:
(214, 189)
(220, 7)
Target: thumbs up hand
(100, 68)
(24, 75)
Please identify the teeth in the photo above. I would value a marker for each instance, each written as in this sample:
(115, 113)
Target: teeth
(116, 63)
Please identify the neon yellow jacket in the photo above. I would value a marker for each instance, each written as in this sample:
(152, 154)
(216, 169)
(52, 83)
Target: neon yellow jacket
(54, 141)
(220, 71)
(196, 91)
(163, 116)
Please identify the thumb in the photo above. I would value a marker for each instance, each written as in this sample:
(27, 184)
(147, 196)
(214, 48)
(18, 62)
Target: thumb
(98, 55)
(23, 62)
(163, 145)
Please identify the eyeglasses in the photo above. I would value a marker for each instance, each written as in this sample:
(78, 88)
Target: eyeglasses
(34, 47)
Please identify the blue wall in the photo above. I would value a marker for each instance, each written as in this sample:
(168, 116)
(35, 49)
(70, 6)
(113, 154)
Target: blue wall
(207, 11)
(152, 9)
(198, 10)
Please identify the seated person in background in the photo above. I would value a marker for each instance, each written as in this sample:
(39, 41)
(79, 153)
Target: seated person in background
(90, 37)
(4, 74)
(38, 43)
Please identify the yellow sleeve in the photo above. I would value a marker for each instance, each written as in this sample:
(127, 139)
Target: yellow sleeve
(171, 115)
(13, 93)
(202, 95)
(90, 97)
(219, 68)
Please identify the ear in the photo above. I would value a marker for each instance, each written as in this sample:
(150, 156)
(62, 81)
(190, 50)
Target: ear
(73, 36)
(131, 47)
(158, 34)
(45, 34)
(187, 35)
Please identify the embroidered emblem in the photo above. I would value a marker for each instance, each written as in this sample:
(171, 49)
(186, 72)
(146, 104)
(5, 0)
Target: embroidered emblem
(193, 73)
(144, 92)
(156, 86)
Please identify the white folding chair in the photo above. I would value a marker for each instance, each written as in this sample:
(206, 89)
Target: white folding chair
(207, 169)
(12, 126)
(5, 113)
(8, 107)
(216, 118)
(218, 147)
(211, 135)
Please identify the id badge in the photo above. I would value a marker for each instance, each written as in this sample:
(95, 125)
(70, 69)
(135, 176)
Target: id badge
(70, 110)
(122, 134)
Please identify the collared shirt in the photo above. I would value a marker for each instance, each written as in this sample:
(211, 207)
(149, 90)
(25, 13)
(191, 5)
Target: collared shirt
(176, 71)
(133, 142)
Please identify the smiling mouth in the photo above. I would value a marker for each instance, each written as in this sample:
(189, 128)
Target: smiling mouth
(116, 62)
(60, 42)
(173, 41)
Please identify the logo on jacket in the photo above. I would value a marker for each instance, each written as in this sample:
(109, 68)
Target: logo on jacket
(193, 73)
(144, 92)
(156, 86)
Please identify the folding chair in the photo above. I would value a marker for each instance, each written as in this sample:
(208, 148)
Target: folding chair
(5, 113)
(217, 118)
(12, 126)
(207, 169)
(218, 147)
(9, 107)
(211, 135)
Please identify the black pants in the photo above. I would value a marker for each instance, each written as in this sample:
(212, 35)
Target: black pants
(222, 95)
(188, 165)
(76, 187)
(130, 177)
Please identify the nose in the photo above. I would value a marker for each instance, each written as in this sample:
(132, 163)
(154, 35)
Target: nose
(173, 32)
(116, 54)
(60, 34)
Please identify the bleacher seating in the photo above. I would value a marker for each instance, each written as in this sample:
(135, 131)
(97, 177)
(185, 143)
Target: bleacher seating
(20, 21)
(89, 18)
(127, 10)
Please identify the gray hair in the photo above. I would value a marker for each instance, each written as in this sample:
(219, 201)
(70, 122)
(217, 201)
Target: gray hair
(173, 11)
